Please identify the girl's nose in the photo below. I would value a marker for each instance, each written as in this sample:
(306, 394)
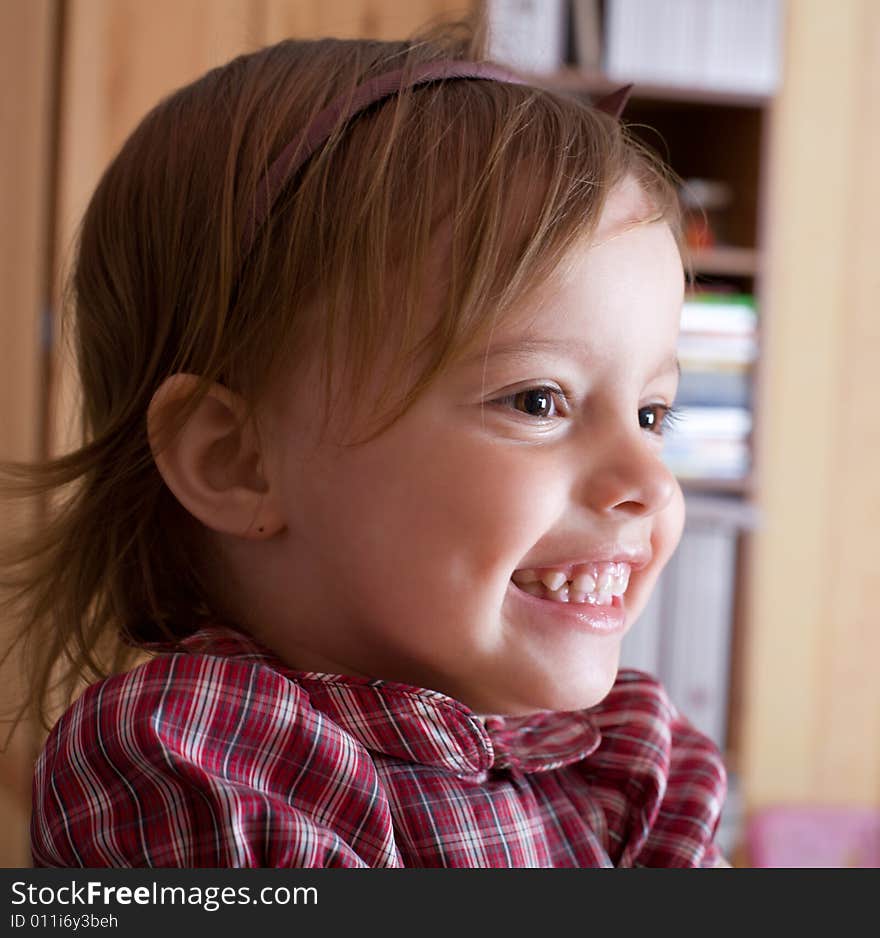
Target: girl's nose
(627, 474)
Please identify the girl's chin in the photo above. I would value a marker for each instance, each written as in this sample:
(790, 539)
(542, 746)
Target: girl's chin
(579, 696)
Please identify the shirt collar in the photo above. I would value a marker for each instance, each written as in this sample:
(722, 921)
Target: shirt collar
(414, 723)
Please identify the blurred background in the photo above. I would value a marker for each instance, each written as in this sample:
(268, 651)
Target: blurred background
(764, 626)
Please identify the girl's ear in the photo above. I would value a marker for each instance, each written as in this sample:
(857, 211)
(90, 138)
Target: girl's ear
(214, 465)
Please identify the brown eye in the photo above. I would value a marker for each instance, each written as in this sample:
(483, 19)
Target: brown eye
(536, 402)
(657, 418)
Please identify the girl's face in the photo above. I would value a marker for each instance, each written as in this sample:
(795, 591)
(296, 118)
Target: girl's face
(537, 457)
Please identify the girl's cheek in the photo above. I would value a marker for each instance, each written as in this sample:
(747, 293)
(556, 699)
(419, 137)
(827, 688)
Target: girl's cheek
(667, 531)
(504, 504)
(525, 488)
(668, 528)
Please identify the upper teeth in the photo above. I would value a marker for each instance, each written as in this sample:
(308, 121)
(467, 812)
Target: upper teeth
(604, 577)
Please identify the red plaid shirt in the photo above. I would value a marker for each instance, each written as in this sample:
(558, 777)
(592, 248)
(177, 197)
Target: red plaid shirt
(218, 755)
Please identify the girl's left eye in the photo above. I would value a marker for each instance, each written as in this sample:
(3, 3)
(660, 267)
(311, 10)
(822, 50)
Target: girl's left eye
(657, 417)
(534, 402)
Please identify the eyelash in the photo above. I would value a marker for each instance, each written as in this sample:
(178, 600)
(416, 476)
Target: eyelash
(669, 415)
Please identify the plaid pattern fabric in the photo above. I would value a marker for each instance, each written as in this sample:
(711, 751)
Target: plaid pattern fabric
(216, 754)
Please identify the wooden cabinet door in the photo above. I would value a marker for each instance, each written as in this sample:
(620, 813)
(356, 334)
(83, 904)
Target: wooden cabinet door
(27, 57)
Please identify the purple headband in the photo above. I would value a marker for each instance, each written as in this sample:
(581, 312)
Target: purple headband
(346, 105)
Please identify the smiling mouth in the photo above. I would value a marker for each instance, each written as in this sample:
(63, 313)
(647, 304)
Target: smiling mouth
(591, 584)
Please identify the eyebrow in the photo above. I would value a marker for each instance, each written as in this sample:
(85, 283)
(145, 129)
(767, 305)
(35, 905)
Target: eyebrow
(521, 349)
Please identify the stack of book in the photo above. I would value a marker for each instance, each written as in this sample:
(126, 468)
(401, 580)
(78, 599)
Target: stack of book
(717, 349)
(725, 45)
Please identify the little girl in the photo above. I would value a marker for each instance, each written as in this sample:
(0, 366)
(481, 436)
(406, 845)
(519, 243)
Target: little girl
(377, 344)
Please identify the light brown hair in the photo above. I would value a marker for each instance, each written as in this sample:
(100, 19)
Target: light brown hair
(485, 184)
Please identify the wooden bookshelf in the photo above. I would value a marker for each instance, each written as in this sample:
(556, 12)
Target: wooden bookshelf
(804, 702)
(715, 135)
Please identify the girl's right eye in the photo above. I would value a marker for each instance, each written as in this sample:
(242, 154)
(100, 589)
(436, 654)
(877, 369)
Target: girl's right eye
(539, 402)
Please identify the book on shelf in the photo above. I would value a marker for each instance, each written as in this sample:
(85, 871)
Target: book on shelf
(726, 460)
(695, 650)
(530, 35)
(699, 348)
(724, 45)
(712, 423)
(586, 23)
(720, 313)
(709, 443)
(715, 387)
(717, 347)
(641, 644)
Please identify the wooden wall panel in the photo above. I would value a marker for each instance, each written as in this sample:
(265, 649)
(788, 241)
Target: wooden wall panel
(120, 57)
(812, 728)
(377, 19)
(27, 38)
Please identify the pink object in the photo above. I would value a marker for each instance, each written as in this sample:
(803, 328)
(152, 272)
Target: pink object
(815, 837)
